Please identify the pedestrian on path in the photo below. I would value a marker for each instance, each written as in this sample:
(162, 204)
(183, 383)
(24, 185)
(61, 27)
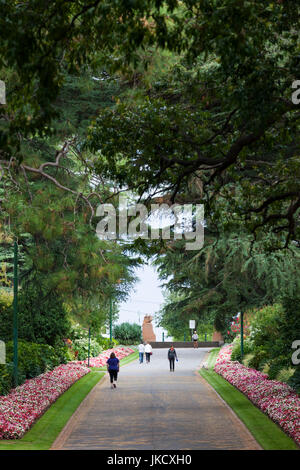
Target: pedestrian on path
(113, 367)
(141, 348)
(195, 339)
(172, 356)
(148, 352)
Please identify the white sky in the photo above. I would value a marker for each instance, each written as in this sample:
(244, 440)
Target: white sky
(145, 299)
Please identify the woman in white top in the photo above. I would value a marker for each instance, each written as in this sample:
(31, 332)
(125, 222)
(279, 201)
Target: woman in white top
(141, 349)
(148, 352)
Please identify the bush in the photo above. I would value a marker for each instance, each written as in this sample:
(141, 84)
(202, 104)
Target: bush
(247, 359)
(236, 351)
(5, 379)
(33, 359)
(128, 333)
(259, 358)
(105, 343)
(80, 343)
(285, 374)
(294, 381)
(42, 317)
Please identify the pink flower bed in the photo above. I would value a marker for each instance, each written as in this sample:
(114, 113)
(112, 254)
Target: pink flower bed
(26, 403)
(100, 360)
(277, 399)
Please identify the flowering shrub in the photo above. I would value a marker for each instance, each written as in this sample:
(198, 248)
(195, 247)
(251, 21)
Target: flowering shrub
(278, 400)
(100, 360)
(26, 403)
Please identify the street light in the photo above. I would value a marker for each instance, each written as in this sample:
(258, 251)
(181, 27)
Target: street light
(89, 347)
(15, 314)
(110, 318)
(242, 333)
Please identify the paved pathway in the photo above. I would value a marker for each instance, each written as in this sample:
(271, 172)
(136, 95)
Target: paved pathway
(153, 408)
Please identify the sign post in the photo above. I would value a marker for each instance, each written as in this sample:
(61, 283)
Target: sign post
(192, 327)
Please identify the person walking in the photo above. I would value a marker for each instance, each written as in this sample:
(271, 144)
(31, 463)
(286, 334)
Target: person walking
(113, 367)
(172, 356)
(148, 352)
(195, 339)
(141, 349)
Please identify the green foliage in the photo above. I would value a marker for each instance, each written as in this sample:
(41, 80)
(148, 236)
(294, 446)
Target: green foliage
(284, 375)
(294, 381)
(260, 358)
(33, 359)
(6, 379)
(236, 351)
(174, 318)
(42, 316)
(80, 343)
(128, 333)
(229, 274)
(273, 328)
(105, 343)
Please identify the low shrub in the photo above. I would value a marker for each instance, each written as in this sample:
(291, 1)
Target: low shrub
(247, 359)
(106, 343)
(276, 365)
(33, 360)
(81, 348)
(5, 379)
(294, 381)
(285, 374)
(236, 351)
(128, 333)
(259, 358)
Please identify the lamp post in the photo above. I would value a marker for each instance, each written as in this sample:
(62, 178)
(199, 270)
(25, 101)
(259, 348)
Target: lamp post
(15, 314)
(242, 334)
(89, 347)
(110, 318)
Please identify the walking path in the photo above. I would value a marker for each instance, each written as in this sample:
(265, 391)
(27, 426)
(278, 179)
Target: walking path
(155, 409)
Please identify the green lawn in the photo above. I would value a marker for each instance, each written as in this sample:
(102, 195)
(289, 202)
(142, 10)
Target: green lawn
(263, 429)
(44, 432)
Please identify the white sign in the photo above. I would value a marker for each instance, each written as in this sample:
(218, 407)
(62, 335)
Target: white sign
(192, 324)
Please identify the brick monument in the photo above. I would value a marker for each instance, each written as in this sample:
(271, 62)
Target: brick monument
(147, 329)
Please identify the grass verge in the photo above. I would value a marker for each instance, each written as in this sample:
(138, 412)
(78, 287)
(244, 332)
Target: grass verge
(44, 432)
(125, 360)
(262, 428)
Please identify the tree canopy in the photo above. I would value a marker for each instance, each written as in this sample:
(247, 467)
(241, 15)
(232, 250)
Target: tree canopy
(176, 101)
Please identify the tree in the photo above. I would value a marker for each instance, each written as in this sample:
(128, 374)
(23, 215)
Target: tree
(42, 317)
(223, 278)
(57, 239)
(127, 333)
(234, 131)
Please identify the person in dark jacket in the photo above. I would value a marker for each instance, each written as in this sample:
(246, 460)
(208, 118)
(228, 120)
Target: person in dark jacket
(172, 356)
(113, 365)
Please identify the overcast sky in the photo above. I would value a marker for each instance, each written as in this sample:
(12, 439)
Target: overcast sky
(145, 299)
